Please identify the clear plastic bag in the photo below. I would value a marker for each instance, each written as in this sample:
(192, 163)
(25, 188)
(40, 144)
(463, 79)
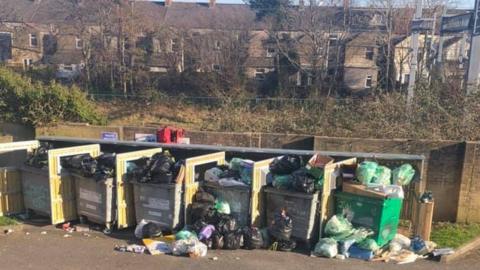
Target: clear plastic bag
(326, 247)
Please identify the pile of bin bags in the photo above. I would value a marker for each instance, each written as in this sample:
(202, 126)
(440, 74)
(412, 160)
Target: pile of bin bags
(99, 168)
(237, 172)
(214, 228)
(290, 172)
(381, 179)
(39, 156)
(343, 241)
(161, 168)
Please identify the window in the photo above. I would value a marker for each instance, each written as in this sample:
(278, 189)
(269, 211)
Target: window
(5, 46)
(68, 67)
(216, 67)
(78, 43)
(406, 78)
(271, 52)
(369, 53)
(260, 74)
(27, 63)
(174, 44)
(33, 40)
(218, 45)
(368, 81)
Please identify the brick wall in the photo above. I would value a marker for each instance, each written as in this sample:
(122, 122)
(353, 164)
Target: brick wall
(469, 201)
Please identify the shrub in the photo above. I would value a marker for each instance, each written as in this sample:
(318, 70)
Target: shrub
(38, 104)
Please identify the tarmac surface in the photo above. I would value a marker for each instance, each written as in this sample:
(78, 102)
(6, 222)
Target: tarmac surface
(46, 247)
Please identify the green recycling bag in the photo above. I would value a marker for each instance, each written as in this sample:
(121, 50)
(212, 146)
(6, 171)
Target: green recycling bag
(185, 235)
(338, 227)
(369, 244)
(403, 175)
(366, 172)
(222, 207)
(382, 176)
(282, 181)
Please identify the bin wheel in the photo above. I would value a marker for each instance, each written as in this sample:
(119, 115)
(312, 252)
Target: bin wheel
(83, 219)
(107, 230)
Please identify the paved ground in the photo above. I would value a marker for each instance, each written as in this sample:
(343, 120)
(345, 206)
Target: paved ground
(35, 250)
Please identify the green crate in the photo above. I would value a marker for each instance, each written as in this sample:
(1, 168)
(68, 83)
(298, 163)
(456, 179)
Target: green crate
(380, 215)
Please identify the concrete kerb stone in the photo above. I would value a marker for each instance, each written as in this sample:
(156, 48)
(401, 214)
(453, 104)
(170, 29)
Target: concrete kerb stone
(462, 251)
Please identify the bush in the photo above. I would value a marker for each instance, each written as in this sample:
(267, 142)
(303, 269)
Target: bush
(38, 104)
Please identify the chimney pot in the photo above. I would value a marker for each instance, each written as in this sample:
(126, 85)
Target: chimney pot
(168, 3)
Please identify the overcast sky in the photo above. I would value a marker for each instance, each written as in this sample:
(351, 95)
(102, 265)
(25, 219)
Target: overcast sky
(460, 3)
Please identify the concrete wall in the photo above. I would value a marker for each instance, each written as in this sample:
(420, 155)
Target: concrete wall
(6, 139)
(78, 130)
(17, 132)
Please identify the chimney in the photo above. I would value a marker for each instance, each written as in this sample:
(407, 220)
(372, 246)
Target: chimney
(168, 3)
(301, 4)
(212, 3)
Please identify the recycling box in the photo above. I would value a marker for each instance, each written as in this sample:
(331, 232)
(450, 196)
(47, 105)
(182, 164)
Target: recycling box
(302, 208)
(95, 199)
(161, 203)
(381, 215)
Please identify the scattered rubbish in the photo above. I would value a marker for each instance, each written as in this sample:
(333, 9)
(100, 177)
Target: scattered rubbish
(147, 229)
(66, 227)
(23, 216)
(155, 247)
(326, 247)
(442, 251)
(214, 258)
(404, 256)
(86, 234)
(131, 248)
(359, 253)
(82, 228)
(282, 226)
(43, 232)
(8, 231)
(67, 235)
(398, 243)
(340, 257)
(27, 233)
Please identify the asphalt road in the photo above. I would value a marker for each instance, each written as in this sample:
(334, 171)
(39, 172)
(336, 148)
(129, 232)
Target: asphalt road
(28, 248)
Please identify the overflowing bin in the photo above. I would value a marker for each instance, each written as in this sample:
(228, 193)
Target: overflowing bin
(302, 209)
(245, 199)
(50, 190)
(382, 215)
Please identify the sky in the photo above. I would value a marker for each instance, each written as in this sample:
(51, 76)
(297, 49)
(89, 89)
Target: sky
(459, 3)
